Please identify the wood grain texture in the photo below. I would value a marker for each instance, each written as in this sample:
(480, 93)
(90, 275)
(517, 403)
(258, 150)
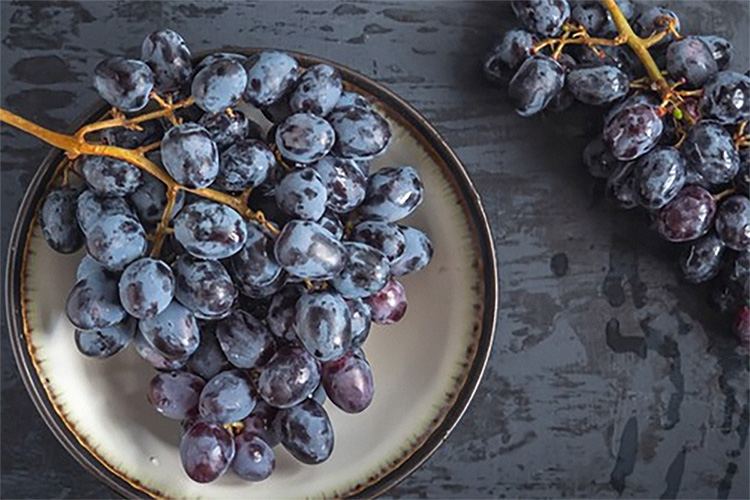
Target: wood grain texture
(611, 379)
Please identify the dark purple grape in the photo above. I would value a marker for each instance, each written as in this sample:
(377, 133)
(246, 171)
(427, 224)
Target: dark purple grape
(209, 359)
(361, 320)
(733, 222)
(655, 19)
(173, 332)
(124, 83)
(323, 324)
(116, 241)
(307, 250)
(688, 216)
(361, 133)
(246, 341)
(632, 131)
(228, 397)
(366, 272)
(94, 303)
(598, 85)
(282, 312)
(206, 451)
(701, 260)
(169, 57)
(150, 132)
(691, 59)
(621, 186)
(417, 254)
(156, 359)
(244, 164)
(108, 176)
(204, 287)
(392, 194)
(384, 236)
(210, 230)
(544, 17)
(348, 383)
(302, 194)
(190, 156)
(270, 75)
(225, 129)
(598, 160)
(710, 151)
(254, 267)
(659, 176)
(726, 97)
(304, 138)
(306, 432)
(146, 287)
(290, 377)
(254, 459)
(742, 326)
(317, 92)
(535, 83)
(105, 342)
(219, 85)
(331, 222)
(344, 182)
(593, 16)
(175, 394)
(721, 49)
(388, 306)
(150, 200)
(509, 52)
(260, 423)
(57, 219)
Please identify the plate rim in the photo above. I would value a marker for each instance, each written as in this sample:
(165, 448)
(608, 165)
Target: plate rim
(15, 275)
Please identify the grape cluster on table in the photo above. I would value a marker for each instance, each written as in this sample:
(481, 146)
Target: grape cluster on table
(252, 324)
(687, 164)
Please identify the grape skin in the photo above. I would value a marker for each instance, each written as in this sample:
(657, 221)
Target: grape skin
(348, 383)
(219, 85)
(168, 56)
(710, 151)
(701, 260)
(691, 59)
(175, 394)
(659, 176)
(318, 90)
(307, 250)
(58, 222)
(206, 451)
(108, 176)
(597, 86)
(190, 156)
(173, 332)
(210, 230)
(204, 287)
(94, 302)
(544, 17)
(632, 131)
(245, 340)
(254, 459)
(726, 97)
(306, 432)
(302, 194)
(146, 288)
(688, 216)
(124, 83)
(323, 324)
(535, 83)
(361, 133)
(392, 194)
(733, 222)
(289, 377)
(105, 342)
(304, 138)
(228, 397)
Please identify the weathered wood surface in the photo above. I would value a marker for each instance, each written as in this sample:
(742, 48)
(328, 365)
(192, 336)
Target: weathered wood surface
(654, 406)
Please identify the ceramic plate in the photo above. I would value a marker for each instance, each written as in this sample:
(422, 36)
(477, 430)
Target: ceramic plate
(426, 368)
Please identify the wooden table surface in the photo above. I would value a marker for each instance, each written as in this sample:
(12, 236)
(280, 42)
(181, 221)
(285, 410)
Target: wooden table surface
(657, 407)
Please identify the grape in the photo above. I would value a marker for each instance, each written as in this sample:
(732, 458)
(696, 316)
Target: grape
(91, 209)
(535, 84)
(254, 267)
(206, 451)
(344, 182)
(227, 397)
(361, 133)
(169, 57)
(331, 222)
(726, 97)
(621, 186)
(204, 287)
(108, 176)
(632, 131)
(721, 49)
(175, 394)
(219, 56)
(701, 260)
(709, 150)
(544, 17)
(598, 159)
(151, 131)
(688, 216)
(124, 83)
(659, 176)
(190, 156)
(150, 199)
(116, 241)
(246, 341)
(388, 306)
(384, 236)
(742, 326)
(154, 357)
(742, 179)
(243, 165)
(306, 432)
(352, 99)
(87, 266)
(737, 270)
(225, 129)
(417, 254)
(366, 271)
(509, 52)
(209, 359)
(219, 85)
(318, 90)
(289, 377)
(598, 85)
(57, 219)
(361, 319)
(210, 230)
(282, 312)
(173, 332)
(592, 16)
(654, 19)
(392, 194)
(105, 342)
(270, 75)
(304, 138)
(323, 324)
(302, 194)
(691, 59)
(94, 303)
(307, 250)
(348, 383)
(146, 287)
(260, 423)
(733, 222)
(254, 460)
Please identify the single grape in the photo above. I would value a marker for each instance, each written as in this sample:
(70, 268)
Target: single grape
(91, 209)
(306, 432)
(317, 92)
(173, 332)
(146, 287)
(254, 268)
(544, 17)
(361, 133)
(659, 176)
(655, 19)
(392, 194)
(228, 397)
(105, 342)
(254, 459)
(206, 451)
(418, 251)
(598, 160)
(632, 131)
(58, 222)
(94, 303)
(307, 250)
(246, 341)
(331, 222)
(108, 176)
(323, 324)
(511, 50)
(124, 83)
(87, 266)
(621, 186)
(388, 306)
(289, 377)
(219, 56)
(349, 99)
(361, 320)
(190, 156)
(156, 359)
(302, 194)
(219, 85)
(209, 359)
(270, 75)
(175, 394)
(721, 49)
(227, 128)
(733, 222)
(210, 230)
(245, 164)
(204, 287)
(365, 273)
(691, 59)
(535, 83)
(168, 56)
(726, 97)
(710, 151)
(304, 138)
(260, 423)
(282, 312)
(150, 199)
(742, 326)
(116, 241)
(344, 182)
(701, 260)
(384, 236)
(348, 383)
(598, 85)
(592, 16)
(688, 216)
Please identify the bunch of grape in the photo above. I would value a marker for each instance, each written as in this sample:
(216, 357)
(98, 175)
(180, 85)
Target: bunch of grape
(674, 142)
(252, 323)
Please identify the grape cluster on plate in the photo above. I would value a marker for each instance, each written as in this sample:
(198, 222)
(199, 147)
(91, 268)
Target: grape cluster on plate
(674, 138)
(253, 319)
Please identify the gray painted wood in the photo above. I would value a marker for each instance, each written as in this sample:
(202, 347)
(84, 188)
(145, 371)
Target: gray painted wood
(657, 407)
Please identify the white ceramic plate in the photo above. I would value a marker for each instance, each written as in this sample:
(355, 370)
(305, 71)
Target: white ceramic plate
(426, 368)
